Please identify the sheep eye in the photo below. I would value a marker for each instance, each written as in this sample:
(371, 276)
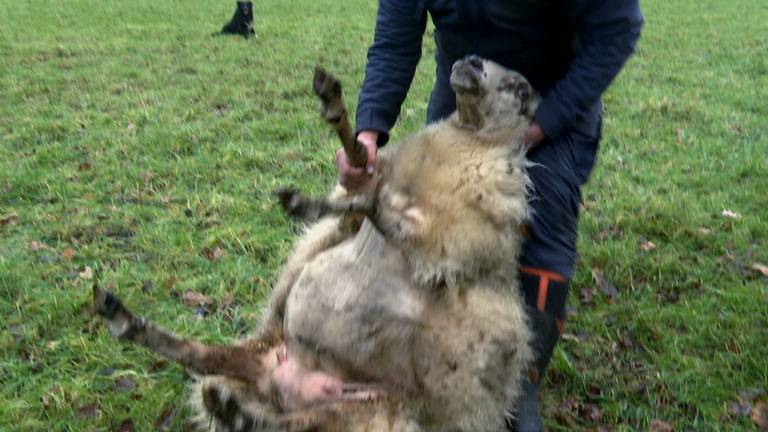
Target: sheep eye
(523, 94)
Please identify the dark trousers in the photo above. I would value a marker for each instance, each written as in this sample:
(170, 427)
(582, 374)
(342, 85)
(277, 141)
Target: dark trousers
(560, 167)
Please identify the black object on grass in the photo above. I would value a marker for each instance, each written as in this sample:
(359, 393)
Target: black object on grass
(242, 21)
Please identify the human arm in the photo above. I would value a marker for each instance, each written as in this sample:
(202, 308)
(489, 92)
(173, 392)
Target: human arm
(608, 31)
(392, 61)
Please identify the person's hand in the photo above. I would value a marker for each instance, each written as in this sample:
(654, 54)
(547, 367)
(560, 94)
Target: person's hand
(534, 135)
(353, 177)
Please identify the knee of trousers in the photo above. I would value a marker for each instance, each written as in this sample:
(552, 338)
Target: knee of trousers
(559, 168)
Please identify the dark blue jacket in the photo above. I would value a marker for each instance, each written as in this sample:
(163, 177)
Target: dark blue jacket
(570, 50)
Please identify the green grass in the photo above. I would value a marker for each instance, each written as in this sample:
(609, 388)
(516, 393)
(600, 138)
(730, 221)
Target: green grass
(117, 117)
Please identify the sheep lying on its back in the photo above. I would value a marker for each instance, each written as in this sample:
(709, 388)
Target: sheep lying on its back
(408, 321)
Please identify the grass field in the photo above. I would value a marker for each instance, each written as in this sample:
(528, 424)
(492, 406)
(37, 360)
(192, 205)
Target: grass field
(136, 146)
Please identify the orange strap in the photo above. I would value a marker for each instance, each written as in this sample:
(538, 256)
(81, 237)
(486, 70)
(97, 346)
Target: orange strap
(544, 277)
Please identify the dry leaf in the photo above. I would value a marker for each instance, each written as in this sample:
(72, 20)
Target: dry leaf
(751, 394)
(146, 176)
(760, 416)
(52, 345)
(591, 411)
(87, 411)
(169, 283)
(86, 274)
(131, 126)
(157, 365)
(647, 246)
(165, 199)
(191, 298)
(147, 287)
(213, 254)
(84, 166)
(164, 421)
(762, 269)
(67, 254)
(730, 214)
(704, 231)
(586, 295)
(125, 384)
(606, 287)
(660, 426)
(741, 408)
(35, 246)
(9, 219)
(46, 400)
(126, 426)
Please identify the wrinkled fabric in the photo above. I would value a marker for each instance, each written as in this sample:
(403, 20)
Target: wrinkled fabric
(570, 51)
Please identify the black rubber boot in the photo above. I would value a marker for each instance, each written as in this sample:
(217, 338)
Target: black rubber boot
(528, 418)
(545, 295)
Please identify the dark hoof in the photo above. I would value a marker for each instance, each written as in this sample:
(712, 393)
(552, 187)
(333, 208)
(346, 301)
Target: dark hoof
(105, 303)
(326, 86)
(227, 411)
(290, 200)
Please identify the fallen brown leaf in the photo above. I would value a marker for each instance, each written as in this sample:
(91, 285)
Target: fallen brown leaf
(606, 287)
(660, 426)
(52, 345)
(84, 166)
(126, 426)
(760, 416)
(35, 246)
(586, 295)
(87, 411)
(164, 421)
(169, 283)
(9, 219)
(565, 411)
(146, 176)
(125, 384)
(591, 412)
(147, 286)
(647, 246)
(752, 394)
(86, 274)
(213, 254)
(157, 365)
(67, 254)
(760, 268)
(741, 408)
(227, 301)
(192, 298)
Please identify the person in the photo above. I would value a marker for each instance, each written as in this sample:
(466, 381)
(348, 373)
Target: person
(570, 51)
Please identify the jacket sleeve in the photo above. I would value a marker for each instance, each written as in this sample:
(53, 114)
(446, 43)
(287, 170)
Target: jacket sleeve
(607, 31)
(392, 61)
